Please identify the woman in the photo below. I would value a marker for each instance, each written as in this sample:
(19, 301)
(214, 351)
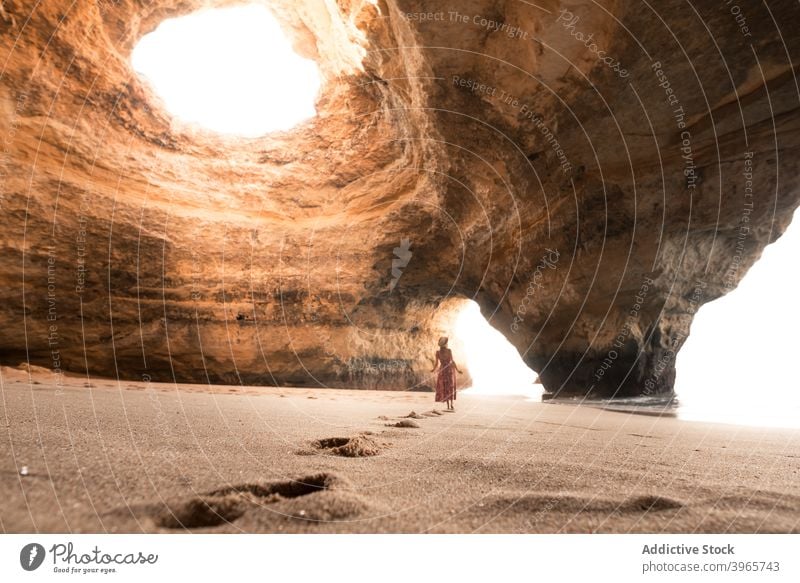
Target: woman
(446, 379)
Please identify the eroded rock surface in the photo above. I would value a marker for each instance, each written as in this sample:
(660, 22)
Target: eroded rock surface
(590, 173)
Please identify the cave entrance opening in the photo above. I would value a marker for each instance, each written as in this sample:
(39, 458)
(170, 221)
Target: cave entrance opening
(230, 70)
(739, 364)
(494, 363)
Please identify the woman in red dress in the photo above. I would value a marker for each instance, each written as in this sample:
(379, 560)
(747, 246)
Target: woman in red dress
(446, 379)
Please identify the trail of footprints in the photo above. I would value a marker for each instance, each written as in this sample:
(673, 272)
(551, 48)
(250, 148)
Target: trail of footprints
(328, 496)
(366, 443)
(317, 497)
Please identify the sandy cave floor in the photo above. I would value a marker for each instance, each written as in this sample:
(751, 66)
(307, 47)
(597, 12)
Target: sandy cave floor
(131, 457)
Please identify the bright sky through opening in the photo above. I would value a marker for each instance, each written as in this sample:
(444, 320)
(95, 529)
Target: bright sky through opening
(494, 364)
(739, 364)
(230, 70)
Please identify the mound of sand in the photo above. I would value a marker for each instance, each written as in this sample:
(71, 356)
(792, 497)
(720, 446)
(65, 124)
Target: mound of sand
(325, 506)
(33, 369)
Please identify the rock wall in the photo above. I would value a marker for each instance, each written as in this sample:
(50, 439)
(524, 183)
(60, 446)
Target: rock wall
(589, 172)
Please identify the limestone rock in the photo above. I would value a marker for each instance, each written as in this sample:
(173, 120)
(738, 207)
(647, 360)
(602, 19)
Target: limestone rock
(589, 173)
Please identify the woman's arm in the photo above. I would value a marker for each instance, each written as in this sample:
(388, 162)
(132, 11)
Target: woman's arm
(455, 366)
(435, 361)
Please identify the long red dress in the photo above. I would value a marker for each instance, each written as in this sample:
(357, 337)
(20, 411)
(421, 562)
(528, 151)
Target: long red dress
(446, 379)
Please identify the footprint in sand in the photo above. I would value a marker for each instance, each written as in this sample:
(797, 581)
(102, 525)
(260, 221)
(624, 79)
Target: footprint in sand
(414, 415)
(361, 445)
(404, 424)
(318, 497)
(543, 504)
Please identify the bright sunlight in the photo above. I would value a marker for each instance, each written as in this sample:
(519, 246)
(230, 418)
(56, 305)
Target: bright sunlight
(494, 364)
(739, 364)
(229, 70)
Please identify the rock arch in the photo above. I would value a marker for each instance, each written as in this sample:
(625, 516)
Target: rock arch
(135, 246)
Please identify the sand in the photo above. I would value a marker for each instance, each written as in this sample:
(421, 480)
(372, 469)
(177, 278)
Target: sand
(131, 457)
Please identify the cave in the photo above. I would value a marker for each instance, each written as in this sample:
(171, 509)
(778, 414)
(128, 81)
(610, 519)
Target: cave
(577, 199)
(236, 232)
